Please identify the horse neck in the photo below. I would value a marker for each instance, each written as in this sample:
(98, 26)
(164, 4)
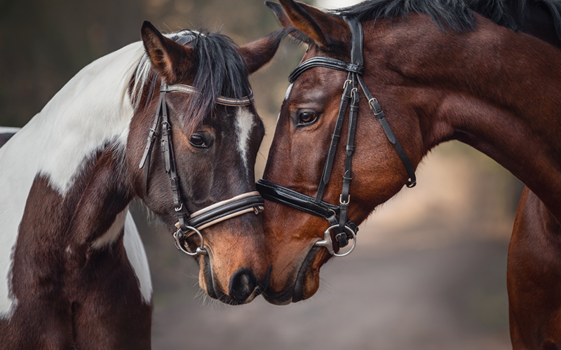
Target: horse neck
(61, 146)
(495, 90)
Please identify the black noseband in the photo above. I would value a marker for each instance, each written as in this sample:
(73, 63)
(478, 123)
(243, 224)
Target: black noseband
(297, 200)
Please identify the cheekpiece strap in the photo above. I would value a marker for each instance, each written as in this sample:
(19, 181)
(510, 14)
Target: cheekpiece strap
(328, 168)
(379, 114)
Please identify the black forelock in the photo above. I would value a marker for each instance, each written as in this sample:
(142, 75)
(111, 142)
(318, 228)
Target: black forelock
(221, 70)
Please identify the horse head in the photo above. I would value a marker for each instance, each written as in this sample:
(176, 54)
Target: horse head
(213, 135)
(419, 77)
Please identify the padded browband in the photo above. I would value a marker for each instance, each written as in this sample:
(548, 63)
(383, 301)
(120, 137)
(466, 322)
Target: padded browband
(297, 200)
(327, 62)
(224, 210)
(225, 101)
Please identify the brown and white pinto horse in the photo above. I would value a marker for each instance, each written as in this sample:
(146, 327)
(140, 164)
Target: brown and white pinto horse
(477, 82)
(73, 270)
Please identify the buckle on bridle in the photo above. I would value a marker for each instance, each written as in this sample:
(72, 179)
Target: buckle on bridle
(371, 103)
(343, 202)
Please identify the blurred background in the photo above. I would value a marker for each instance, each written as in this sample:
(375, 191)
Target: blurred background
(429, 271)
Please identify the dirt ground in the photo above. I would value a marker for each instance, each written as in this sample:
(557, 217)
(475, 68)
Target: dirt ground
(452, 298)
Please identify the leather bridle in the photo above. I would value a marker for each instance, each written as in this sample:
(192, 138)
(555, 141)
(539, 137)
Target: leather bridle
(190, 224)
(343, 229)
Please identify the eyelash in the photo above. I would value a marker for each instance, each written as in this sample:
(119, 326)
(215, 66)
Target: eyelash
(307, 118)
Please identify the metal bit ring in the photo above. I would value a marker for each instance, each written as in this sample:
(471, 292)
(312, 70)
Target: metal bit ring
(178, 244)
(328, 243)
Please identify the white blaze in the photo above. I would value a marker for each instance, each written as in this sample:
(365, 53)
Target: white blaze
(244, 125)
(287, 93)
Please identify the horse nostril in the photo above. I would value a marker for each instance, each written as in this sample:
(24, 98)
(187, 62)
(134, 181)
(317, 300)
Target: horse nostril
(242, 284)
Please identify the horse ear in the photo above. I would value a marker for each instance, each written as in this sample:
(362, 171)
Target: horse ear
(324, 29)
(165, 54)
(259, 52)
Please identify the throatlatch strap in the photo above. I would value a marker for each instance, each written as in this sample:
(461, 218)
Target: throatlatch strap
(379, 114)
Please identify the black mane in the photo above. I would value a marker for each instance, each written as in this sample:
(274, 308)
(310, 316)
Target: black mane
(454, 14)
(220, 71)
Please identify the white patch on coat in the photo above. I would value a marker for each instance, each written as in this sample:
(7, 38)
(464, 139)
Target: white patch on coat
(91, 111)
(288, 91)
(9, 304)
(8, 130)
(244, 124)
(137, 258)
(113, 233)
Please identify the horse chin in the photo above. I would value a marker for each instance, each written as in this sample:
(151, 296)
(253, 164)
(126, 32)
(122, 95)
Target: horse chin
(209, 286)
(306, 282)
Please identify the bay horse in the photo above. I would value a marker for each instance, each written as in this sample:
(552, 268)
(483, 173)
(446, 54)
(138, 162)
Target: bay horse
(431, 71)
(169, 120)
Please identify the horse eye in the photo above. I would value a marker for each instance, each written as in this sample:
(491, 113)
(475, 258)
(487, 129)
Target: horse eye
(307, 118)
(198, 141)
